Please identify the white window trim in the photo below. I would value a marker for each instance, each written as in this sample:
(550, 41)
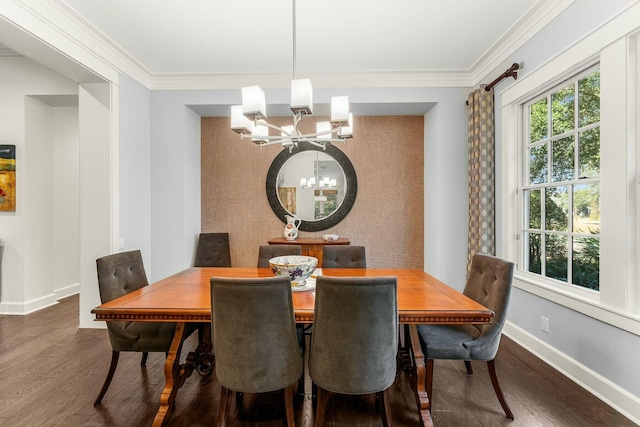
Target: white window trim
(615, 46)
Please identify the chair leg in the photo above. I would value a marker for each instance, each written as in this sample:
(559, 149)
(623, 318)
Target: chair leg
(145, 354)
(430, 381)
(115, 355)
(225, 407)
(321, 407)
(288, 404)
(467, 364)
(385, 408)
(494, 380)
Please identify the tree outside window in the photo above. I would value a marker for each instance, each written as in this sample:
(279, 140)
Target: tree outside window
(562, 158)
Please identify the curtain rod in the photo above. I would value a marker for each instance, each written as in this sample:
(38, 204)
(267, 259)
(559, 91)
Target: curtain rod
(511, 72)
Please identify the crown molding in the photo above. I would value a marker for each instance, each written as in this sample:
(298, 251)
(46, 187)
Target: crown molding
(320, 80)
(534, 20)
(59, 26)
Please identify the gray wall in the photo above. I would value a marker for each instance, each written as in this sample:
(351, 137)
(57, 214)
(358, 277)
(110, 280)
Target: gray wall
(603, 348)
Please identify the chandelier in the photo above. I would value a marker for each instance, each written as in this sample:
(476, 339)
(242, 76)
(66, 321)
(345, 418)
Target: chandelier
(249, 120)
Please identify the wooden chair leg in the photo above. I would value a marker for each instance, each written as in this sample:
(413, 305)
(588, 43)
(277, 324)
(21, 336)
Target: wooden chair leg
(467, 364)
(145, 354)
(385, 407)
(225, 407)
(115, 355)
(494, 380)
(288, 404)
(321, 407)
(430, 381)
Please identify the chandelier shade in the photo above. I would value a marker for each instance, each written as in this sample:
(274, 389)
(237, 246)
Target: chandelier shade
(249, 119)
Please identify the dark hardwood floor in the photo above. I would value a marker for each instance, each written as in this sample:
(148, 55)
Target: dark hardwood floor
(51, 371)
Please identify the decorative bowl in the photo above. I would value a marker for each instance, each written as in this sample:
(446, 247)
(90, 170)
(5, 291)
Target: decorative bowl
(330, 237)
(297, 267)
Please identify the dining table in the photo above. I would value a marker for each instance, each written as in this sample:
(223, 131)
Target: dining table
(185, 297)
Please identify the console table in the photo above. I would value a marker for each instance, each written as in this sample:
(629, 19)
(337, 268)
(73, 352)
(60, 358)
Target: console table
(310, 246)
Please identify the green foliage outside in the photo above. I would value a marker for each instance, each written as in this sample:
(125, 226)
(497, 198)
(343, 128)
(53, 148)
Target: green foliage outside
(560, 167)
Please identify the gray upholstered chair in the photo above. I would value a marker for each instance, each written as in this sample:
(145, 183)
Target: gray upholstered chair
(254, 336)
(489, 283)
(213, 250)
(343, 256)
(118, 275)
(355, 339)
(265, 253)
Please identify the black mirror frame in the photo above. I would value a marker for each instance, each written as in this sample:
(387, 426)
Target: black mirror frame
(347, 202)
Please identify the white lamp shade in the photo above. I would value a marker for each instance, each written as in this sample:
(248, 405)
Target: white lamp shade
(301, 96)
(346, 131)
(339, 110)
(253, 103)
(325, 129)
(303, 182)
(257, 131)
(239, 122)
(312, 181)
(333, 182)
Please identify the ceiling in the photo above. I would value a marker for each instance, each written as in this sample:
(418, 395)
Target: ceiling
(253, 37)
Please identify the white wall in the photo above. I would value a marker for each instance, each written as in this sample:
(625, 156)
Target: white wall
(98, 197)
(66, 201)
(446, 187)
(27, 234)
(135, 168)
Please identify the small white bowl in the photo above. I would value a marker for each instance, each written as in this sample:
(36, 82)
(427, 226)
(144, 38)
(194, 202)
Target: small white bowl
(297, 267)
(330, 237)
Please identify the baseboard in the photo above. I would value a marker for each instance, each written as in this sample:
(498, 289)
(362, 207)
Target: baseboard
(618, 398)
(67, 291)
(22, 308)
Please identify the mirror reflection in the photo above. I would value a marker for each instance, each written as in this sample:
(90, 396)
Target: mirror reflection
(311, 185)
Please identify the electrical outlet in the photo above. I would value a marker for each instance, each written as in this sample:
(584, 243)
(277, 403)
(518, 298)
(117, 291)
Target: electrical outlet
(544, 324)
(121, 243)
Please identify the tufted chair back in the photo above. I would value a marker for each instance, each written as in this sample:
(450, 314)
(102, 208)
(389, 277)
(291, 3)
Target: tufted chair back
(489, 283)
(343, 256)
(213, 250)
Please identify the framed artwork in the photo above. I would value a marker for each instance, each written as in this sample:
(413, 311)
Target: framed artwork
(287, 197)
(7, 177)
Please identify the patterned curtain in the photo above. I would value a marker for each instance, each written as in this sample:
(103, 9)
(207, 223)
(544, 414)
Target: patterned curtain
(481, 174)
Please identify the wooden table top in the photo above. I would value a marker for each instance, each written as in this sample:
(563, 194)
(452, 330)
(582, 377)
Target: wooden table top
(185, 297)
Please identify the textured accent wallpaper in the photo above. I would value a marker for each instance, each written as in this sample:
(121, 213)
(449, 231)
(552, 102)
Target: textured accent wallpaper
(387, 153)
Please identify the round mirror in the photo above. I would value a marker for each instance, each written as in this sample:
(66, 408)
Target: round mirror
(318, 186)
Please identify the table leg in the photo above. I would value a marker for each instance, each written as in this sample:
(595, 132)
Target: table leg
(172, 374)
(418, 377)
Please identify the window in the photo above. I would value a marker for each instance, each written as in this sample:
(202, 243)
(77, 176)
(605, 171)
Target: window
(561, 183)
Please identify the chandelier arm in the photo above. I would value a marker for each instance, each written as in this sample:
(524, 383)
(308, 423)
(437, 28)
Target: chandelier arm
(272, 126)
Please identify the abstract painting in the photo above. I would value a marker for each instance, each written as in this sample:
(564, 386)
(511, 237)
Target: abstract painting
(7, 177)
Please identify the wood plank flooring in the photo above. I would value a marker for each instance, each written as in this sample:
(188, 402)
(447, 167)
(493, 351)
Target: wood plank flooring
(51, 371)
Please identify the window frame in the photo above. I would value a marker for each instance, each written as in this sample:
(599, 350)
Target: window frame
(525, 182)
(614, 47)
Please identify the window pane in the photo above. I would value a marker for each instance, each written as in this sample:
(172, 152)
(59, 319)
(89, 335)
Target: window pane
(562, 108)
(538, 120)
(533, 241)
(562, 168)
(533, 209)
(556, 208)
(589, 153)
(589, 99)
(556, 257)
(538, 164)
(586, 262)
(586, 208)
